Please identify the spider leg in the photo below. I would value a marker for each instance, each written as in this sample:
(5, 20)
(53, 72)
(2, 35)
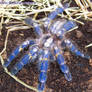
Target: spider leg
(17, 50)
(64, 68)
(74, 49)
(43, 71)
(51, 58)
(53, 14)
(32, 55)
(68, 25)
(29, 21)
(40, 56)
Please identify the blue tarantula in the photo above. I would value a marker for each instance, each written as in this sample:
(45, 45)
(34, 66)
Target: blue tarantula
(48, 46)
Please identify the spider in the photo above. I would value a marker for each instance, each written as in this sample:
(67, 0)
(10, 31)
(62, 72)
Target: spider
(47, 46)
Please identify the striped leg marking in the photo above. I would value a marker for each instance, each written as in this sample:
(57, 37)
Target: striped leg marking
(29, 21)
(17, 50)
(43, 71)
(64, 68)
(18, 66)
(73, 49)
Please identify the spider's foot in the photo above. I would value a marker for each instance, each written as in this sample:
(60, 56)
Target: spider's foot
(87, 56)
(6, 64)
(16, 68)
(74, 49)
(41, 87)
(68, 76)
(64, 68)
(9, 60)
(19, 65)
(78, 53)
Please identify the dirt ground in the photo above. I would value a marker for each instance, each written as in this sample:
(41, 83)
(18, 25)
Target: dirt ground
(80, 68)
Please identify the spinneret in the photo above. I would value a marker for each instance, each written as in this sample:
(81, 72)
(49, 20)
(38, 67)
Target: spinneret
(47, 47)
